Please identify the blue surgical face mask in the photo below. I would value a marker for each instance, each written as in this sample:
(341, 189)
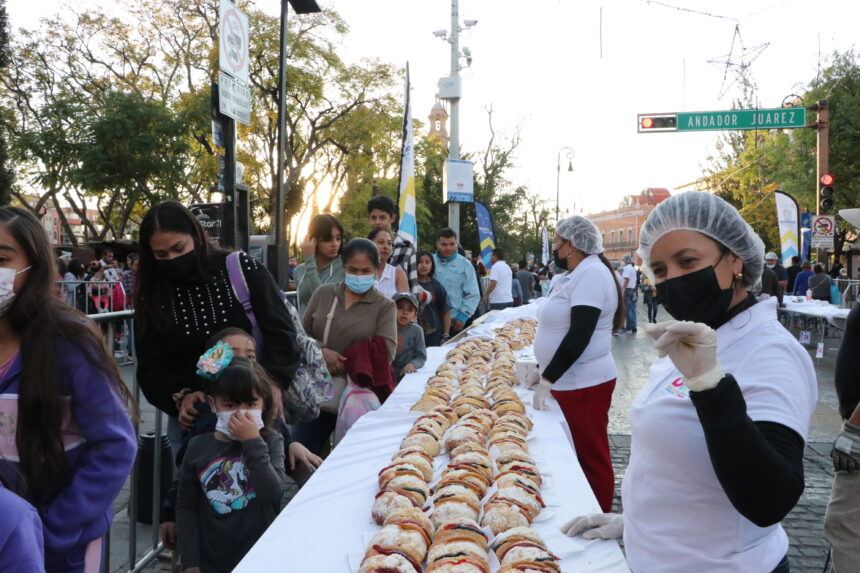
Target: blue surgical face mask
(359, 284)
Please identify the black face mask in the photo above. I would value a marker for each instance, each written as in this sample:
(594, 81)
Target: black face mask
(180, 269)
(696, 297)
(559, 262)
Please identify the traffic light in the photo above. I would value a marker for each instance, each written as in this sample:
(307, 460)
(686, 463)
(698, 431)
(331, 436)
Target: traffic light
(825, 193)
(656, 122)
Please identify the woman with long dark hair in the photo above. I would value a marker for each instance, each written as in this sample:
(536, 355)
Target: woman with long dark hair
(183, 297)
(66, 441)
(323, 265)
(573, 346)
(435, 317)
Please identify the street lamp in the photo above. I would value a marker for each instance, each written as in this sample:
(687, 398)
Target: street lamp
(278, 262)
(569, 155)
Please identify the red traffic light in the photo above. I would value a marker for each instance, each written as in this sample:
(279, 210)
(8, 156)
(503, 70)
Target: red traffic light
(654, 122)
(827, 179)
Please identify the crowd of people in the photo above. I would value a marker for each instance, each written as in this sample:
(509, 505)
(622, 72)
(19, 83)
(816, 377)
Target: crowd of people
(101, 285)
(255, 389)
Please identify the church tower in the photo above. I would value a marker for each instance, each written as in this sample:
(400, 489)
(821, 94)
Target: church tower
(439, 122)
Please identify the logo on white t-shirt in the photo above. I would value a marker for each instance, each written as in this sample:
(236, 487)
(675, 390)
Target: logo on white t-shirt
(678, 388)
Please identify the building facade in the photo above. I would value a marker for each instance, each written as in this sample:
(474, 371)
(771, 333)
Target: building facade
(620, 227)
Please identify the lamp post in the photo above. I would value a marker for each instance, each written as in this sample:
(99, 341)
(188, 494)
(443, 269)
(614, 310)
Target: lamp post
(570, 154)
(453, 38)
(278, 263)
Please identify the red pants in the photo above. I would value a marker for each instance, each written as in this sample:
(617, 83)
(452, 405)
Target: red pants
(587, 415)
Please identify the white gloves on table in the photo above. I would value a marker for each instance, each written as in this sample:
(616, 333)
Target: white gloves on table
(692, 348)
(595, 526)
(541, 394)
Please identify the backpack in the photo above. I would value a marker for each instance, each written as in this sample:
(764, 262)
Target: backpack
(311, 384)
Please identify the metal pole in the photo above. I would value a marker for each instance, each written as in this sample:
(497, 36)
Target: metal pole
(282, 112)
(822, 156)
(454, 140)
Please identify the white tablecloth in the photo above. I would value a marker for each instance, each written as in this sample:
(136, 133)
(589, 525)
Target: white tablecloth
(817, 309)
(327, 525)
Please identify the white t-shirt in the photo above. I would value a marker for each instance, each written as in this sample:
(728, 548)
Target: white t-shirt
(677, 518)
(628, 273)
(387, 283)
(589, 284)
(502, 274)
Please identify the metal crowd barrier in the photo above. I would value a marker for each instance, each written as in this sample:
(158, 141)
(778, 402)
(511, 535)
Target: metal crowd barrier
(850, 291)
(95, 297)
(126, 357)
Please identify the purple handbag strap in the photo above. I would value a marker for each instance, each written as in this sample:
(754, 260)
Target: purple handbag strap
(240, 289)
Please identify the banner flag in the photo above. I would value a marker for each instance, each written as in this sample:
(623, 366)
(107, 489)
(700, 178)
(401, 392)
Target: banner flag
(544, 251)
(788, 219)
(408, 224)
(486, 237)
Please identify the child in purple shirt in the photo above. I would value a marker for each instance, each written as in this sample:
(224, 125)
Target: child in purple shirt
(66, 440)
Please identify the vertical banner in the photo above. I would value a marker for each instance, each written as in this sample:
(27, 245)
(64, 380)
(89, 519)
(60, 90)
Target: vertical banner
(788, 219)
(486, 237)
(544, 251)
(408, 227)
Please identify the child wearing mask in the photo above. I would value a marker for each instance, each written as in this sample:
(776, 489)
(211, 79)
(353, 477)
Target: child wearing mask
(411, 352)
(231, 480)
(302, 462)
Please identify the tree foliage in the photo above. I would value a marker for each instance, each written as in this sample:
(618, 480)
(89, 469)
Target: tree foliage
(6, 175)
(749, 166)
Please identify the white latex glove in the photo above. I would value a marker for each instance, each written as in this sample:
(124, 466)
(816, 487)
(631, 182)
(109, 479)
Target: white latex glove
(692, 347)
(595, 526)
(532, 378)
(541, 394)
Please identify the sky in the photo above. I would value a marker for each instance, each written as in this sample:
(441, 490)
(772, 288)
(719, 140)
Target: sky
(576, 73)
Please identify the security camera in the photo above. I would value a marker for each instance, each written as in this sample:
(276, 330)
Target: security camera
(469, 23)
(467, 52)
(440, 33)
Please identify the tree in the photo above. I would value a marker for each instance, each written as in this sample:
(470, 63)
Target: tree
(750, 165)
(6, 174)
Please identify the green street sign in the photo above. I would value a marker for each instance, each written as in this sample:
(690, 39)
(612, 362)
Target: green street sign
(779, 118)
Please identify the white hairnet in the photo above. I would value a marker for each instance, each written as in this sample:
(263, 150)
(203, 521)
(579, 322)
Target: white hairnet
(711, 216)
(582, 233)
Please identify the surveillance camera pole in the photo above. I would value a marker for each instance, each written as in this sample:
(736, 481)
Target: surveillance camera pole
(454, 140)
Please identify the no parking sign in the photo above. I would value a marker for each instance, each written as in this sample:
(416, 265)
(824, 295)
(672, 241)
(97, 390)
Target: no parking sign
(233, 41)
(823, 231)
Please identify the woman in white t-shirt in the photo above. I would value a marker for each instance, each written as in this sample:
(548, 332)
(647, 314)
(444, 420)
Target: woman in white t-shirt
(573, 347)
(390, 280)
(718, 431)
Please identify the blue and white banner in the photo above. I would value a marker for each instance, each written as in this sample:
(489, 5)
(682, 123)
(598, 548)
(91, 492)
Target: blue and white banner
(788, 219)
(408, 226)
(486, 237)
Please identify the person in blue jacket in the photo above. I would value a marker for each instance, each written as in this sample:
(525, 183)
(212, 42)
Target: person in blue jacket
(456, 274)
(67, 443)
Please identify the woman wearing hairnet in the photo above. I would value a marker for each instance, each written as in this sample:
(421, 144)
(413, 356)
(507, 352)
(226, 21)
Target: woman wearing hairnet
(573, 346)
(718, 431)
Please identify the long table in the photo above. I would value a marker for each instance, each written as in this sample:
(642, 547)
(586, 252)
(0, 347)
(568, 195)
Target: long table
(327, 525)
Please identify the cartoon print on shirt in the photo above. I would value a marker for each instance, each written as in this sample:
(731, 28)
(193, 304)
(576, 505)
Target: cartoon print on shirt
(678, 388)
(226, 485)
